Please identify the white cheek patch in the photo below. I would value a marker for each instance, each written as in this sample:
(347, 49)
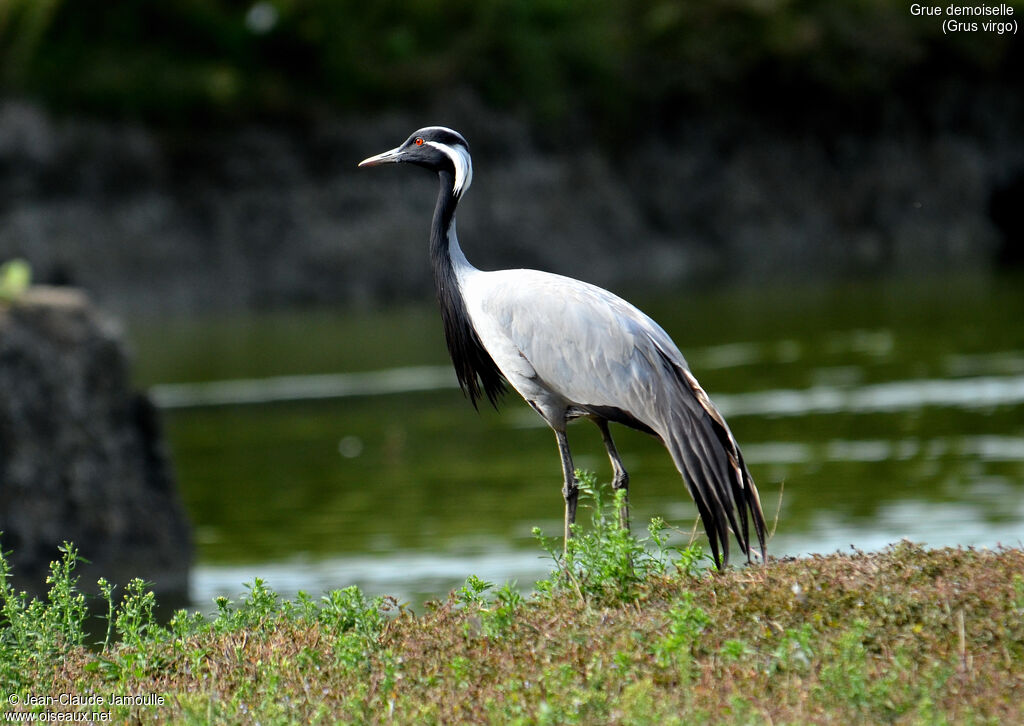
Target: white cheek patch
(460, 160)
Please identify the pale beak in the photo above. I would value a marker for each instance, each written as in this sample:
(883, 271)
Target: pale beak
(388, 157)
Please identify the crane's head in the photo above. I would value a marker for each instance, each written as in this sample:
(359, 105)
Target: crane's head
(437, 148)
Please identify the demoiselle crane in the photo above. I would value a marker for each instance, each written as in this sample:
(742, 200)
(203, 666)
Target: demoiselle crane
(574, 350)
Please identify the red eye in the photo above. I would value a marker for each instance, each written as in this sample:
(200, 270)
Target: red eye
(419, 141)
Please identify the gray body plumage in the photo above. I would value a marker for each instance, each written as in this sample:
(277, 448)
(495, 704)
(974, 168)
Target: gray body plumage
(597, 350)
(571, 350)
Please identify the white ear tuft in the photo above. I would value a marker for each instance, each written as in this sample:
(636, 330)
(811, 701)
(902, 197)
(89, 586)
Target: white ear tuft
(459, 155)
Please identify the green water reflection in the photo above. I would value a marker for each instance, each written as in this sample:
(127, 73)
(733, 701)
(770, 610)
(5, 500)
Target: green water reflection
(416, 476)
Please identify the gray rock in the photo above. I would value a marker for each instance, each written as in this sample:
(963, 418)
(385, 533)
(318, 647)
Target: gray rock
(81, 454)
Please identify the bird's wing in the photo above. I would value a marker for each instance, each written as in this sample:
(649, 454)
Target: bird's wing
(590, 346)
(601, 353)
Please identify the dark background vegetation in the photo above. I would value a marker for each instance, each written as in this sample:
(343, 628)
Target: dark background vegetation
(613, 64)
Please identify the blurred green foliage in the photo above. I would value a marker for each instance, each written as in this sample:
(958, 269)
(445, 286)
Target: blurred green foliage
(15, 278)
(171, 60)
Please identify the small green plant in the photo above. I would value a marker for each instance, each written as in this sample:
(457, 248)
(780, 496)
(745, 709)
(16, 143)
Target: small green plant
(461, 668)
(303, 608)
(847, 673)
(138, 631)
(687, 621)
(735, 650)
(134, 620)
(36, 633)
(15, 279)
(259, 606)
(499, 616)
(355, 623)
(473, 592)
(107, 592)
(348, 610)
(607, 563)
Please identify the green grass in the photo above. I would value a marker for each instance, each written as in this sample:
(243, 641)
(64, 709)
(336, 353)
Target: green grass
(621, 632)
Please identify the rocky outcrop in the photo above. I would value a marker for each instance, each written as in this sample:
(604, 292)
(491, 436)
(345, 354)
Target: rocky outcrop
(81, 454)
(257, 217)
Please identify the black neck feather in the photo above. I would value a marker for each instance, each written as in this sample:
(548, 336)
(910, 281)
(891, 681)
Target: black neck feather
(477, 373)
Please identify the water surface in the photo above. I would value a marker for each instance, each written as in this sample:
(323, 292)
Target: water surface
(323, 448)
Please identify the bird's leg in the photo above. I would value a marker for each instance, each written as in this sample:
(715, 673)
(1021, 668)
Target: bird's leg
(621, 476)
(570, 489)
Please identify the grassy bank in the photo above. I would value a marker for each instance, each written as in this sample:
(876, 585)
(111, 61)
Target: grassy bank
(622, 632)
